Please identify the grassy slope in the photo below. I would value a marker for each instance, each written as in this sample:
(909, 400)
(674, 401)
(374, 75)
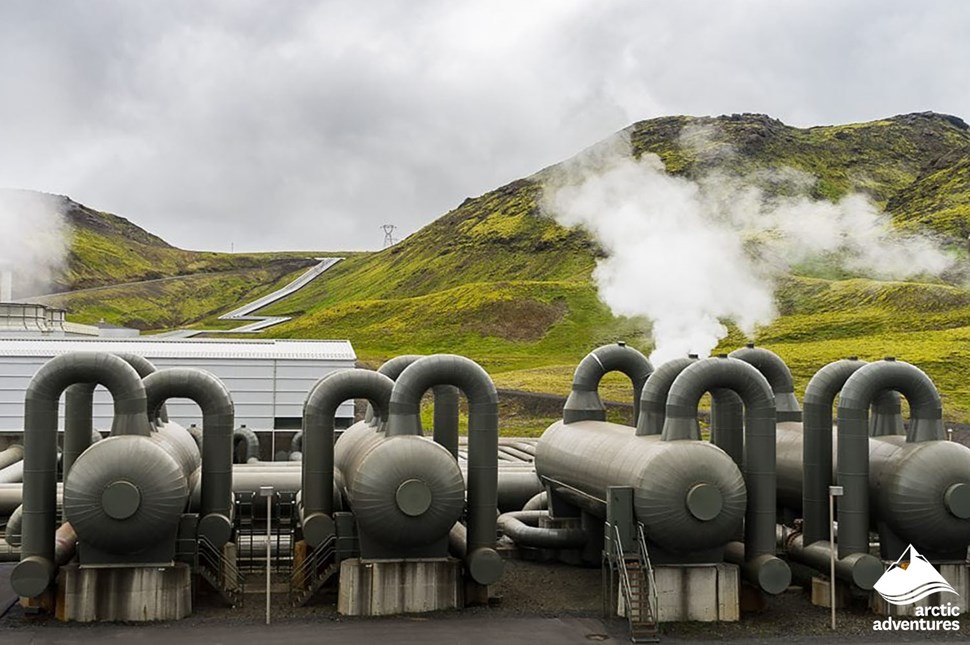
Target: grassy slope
(495, 281)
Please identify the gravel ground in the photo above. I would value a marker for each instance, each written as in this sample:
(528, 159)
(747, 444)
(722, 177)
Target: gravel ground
(552, 590)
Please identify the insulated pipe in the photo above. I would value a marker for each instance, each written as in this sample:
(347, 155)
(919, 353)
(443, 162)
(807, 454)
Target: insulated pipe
(584, 402)
(761, 565)
(12, 474)
(244, 434)
(319, 413)
(926, 424)
(12, 533)
(296, 443)
(215, 401)
(779, 377)
(727, 423)
(445, 403)
(79, 412)
(11, 455)
(538, 502)
(196, 433)
(653, 398)
(37, 565)
(523, 528)
(483, 562)
(817, 445)
(860, 569)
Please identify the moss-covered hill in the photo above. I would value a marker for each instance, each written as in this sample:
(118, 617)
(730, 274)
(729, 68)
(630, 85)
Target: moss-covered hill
(117, 271)
(495, 280)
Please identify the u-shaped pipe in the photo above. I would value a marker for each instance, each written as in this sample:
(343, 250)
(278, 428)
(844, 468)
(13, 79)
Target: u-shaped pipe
(37, 565)
(858, 393)
(584, 402)
(760, 564)
(215, 401)
(779, 378)
(319, 412)
(79, 411)
(483, 562)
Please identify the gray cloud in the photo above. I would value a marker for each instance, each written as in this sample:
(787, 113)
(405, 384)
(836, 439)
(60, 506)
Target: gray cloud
(308, 124)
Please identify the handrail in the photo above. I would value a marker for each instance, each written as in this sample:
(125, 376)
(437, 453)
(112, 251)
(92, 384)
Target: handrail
(624, 575)
(648, 566)
(303, 577)
(221, 567)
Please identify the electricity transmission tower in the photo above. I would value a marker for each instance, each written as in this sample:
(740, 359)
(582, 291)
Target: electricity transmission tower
(388, 234)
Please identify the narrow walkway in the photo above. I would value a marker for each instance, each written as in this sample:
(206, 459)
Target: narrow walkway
(246, 311)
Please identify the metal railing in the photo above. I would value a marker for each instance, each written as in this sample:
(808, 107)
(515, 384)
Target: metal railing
(314, 571)
(221, 573)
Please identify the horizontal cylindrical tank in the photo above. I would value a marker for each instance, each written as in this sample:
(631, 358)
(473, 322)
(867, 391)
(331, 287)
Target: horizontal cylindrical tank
(689, 495)
(921, 491)
(405, 491)
(125, 493)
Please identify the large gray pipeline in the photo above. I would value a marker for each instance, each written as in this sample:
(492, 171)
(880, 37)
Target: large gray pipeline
(37, 565)
(779, 378)
(523, 528)
(760, 564)
(11, 455)
(445, 403)
(79, 411)
(926, 424)
(817, 445)
(319, 412)
(483, 562)
(246, 436)
(653, 398)
(212, 396)
(584, 402)
(860, 569)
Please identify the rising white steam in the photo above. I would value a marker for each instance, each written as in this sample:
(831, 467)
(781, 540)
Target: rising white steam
(35, 240)
(688, 254)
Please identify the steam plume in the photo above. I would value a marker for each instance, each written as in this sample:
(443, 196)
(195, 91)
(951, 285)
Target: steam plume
(35, 239)
(687, 254)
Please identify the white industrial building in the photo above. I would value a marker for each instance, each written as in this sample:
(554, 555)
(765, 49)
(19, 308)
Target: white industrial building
(269, 379)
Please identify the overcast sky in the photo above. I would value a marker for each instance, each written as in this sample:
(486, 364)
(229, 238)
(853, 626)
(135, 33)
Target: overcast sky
(306, 125)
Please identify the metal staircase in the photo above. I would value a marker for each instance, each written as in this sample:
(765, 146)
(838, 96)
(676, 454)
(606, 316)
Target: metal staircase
(221, 573)
(634, 572)
(319, 566)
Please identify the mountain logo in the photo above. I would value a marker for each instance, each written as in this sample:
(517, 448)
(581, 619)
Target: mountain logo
(911, 578)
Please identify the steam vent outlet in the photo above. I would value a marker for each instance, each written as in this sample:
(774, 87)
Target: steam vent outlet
(120, 500)
(704, 501)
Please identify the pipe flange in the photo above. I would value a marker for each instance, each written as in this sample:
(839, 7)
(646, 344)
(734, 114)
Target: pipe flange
(704, 501)
(957, 500)
(120, 499)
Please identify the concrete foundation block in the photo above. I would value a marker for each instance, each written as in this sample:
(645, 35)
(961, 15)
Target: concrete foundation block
(124, 593)
(956, 573)
(388, 587)
(821, 594)
(700, 593)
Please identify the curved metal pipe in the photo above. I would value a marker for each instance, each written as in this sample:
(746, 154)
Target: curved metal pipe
(446, 403)
(12, 533)
(37, 565)
(319, 412)
(215, 401)
(79, 412)
(483, 562)
(926, 424)
(860, 569)
(817, 445)
(296, 443)
(244, 434)
(759, 452)
(523, 528)
(538, 502)
(12, 474)
(11, 455)
(779, 377)
(727, 423)
(653, 397)
(584, 402)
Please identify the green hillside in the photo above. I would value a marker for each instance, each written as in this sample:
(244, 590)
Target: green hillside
(494, 280)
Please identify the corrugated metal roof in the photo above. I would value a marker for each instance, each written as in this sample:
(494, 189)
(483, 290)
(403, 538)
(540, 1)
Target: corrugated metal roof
(196, 348)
